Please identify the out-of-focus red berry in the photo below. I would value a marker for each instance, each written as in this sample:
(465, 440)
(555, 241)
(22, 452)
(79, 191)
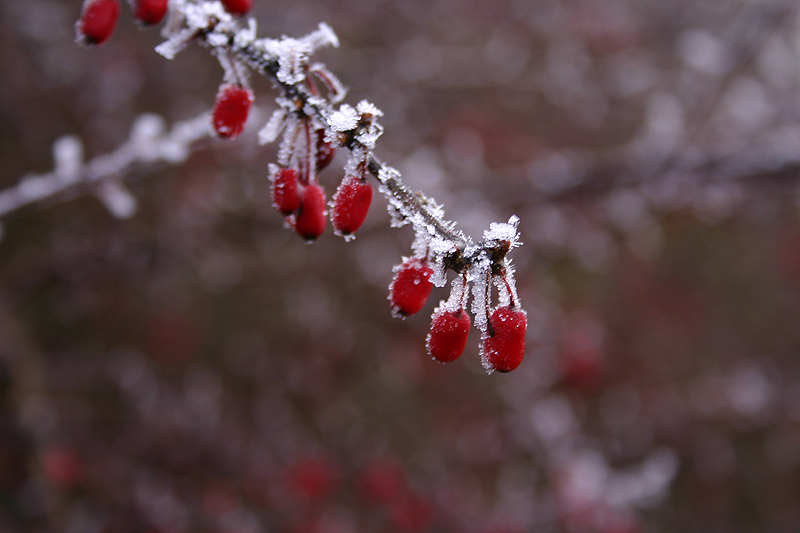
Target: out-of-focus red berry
(311, 479)
(237, 7)
(97, 22)
(62, 466)
(448, 336)
(350, 205)
(504, 348)
(382, 482)
(231, 110)
(410, 514)
(411, 287)
(285, 191)
(149, 12)
(310, 221)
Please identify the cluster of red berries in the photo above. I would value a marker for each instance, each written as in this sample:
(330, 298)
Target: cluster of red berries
(299, 197)
(503, 341)
(99, 17)
(296, 193)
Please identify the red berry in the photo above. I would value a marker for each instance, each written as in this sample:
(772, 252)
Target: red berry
(448, 336)
(350, 204)
(98, 20)
(310, 221)
(231, 110)
(382, 482)
(285, 194)
(325, 151)
(411, 287)
(311, 479)
(63, 467)
(237, 7)
(504, 348)
(149, 12)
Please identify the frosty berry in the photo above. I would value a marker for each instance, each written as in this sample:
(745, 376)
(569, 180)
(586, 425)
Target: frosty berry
(448, 336)
(285, 191)
(310, 221)
(97, 22)
(504, 347)
(411, 287)
(351, 204)
(231, 110)
(149, 12)
(237, 7)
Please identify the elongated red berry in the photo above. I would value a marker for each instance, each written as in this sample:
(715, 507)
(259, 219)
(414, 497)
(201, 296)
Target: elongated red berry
(448, 336)
(97, 22)
(325, 151)
(231, 110)
(149, 12)
(237, 7)
(410, 287)
(504, 348)
(351, 204)
(285, 191)
(310, 221)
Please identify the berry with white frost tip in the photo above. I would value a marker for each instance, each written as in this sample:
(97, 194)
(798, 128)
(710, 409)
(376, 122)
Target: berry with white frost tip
(351, 204)
(310, 221)
(285, 190)
(504, 347)
(448, 336)
(410, 287)
(231, 110)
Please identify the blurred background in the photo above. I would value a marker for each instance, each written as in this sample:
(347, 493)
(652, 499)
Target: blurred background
(198, 368)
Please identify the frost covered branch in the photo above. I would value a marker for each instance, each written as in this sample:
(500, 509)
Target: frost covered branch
(312, 123)
(149, 143)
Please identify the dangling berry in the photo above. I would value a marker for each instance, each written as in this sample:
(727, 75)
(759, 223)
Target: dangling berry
(97, 22)
(504, 348)
(149, 12)
(310, 221)
(448, 336)
(325, 151)
(350, 204)
(231, 110)
(237, 7)
(410, 287)
(285, 194)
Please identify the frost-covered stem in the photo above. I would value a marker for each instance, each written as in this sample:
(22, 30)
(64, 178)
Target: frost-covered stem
(149, 143)
(465, 252)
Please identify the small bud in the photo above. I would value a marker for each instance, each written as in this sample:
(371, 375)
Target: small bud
(410, 287)
(237, 7)
(149, 12)
(285, 193)
(504, 348)
(97, 22)
(350, 205)
(448, 336)
(231, 110)
(325, 151)
(310, 221)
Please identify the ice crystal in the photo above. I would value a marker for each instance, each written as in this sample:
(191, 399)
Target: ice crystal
(345, 119)
(273, 127)
(504, 231)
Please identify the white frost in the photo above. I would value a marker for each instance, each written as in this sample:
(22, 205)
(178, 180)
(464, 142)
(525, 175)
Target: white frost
(345, 119)
(68, 157)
